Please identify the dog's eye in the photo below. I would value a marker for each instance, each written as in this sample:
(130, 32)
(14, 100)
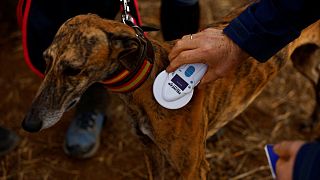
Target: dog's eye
(117, 44)
(71, 71)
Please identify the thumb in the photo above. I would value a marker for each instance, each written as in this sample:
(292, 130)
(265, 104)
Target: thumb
(283, 149)
(172, 67)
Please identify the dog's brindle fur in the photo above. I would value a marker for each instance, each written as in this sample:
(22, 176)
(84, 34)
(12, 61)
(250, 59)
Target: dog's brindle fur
(88, 48)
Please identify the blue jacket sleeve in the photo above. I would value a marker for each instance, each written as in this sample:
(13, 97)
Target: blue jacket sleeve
(268, 25)
(307, 163)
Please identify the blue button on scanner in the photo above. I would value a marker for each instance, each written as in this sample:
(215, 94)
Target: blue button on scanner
(189, 71)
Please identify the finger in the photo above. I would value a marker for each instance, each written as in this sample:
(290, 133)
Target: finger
(182, 45)
(185, 57)
(211, 30)
(283, 149)
(188, 37)
(191, 36)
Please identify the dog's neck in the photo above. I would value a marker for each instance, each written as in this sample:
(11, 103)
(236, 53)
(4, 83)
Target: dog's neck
(160, 62)
(161, 58)
(142, 98)
(125, 80)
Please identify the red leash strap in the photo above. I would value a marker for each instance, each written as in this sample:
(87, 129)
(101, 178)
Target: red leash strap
(24, 27)
(136, 7)
(19, 12)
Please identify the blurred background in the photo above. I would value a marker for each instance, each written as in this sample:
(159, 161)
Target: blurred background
(235, 153)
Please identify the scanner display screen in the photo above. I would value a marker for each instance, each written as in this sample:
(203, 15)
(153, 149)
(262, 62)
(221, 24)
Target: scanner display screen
(177, 80)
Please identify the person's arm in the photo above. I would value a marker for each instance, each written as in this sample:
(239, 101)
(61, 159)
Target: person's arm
(268, 25)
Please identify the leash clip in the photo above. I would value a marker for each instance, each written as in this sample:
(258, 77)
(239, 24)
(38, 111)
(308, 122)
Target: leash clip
(126, 17)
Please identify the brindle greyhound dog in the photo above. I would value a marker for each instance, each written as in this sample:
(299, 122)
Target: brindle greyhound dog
(88, 49)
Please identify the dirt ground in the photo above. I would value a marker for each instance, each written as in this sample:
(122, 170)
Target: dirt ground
(235, 153)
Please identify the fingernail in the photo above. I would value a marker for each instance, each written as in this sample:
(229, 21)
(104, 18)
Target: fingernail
(276, 148)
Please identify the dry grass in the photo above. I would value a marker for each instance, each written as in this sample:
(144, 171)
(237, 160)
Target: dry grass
(235, 153)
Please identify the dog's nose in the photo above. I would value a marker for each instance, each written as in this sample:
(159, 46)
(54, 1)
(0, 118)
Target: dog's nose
(31, 126)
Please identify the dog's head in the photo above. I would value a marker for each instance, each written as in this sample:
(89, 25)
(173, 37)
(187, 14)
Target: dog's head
(86, 49)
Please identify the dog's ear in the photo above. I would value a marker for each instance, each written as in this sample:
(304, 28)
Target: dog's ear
(127, 50)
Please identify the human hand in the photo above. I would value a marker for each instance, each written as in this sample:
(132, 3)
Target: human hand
(287, 151)
(210, 47)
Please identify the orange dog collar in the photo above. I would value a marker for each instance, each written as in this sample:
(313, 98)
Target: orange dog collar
(132, 83)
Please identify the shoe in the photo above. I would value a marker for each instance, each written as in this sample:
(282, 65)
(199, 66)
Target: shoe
(178, 20)
(83, 136)
(8, 140)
